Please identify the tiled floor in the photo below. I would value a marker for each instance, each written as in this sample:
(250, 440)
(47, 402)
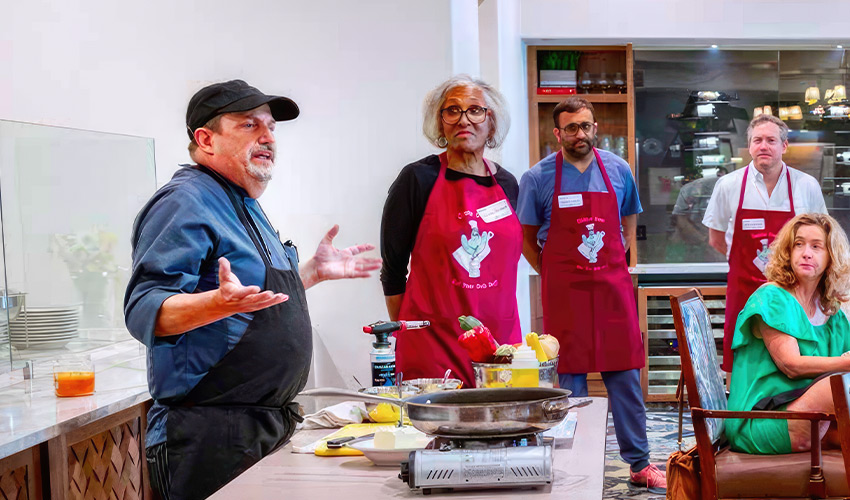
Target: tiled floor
(662, 429)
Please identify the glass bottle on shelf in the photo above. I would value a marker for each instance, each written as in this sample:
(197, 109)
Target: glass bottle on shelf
(620, 148)
(603, 84)
(619, 83)
(586, 83)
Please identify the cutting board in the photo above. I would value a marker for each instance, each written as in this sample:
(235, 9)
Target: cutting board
(355, 430)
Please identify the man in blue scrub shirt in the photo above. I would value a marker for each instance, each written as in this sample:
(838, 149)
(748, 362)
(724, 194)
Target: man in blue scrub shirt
(578, 208)
(220, 302)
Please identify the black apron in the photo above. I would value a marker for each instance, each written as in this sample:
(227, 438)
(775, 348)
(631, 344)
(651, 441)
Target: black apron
(242, 410)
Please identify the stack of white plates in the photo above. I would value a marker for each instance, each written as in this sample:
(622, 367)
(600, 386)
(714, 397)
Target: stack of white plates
(45, 327)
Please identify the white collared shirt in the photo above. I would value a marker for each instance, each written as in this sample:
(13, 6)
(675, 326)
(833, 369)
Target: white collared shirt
(720, 213)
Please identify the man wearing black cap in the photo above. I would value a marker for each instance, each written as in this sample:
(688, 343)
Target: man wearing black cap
(219, 301)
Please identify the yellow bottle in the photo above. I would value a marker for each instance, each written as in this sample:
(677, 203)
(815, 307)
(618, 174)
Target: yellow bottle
(525, 369)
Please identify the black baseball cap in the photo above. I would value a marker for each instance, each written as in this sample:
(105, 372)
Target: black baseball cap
(233, 97)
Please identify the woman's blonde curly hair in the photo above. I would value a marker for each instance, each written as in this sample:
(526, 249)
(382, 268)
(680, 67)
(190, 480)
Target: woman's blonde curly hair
(835, 282)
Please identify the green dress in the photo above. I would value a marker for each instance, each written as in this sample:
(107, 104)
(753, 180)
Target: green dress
(755, 375)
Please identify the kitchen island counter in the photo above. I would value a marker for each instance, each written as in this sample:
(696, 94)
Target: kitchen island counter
(579, 471)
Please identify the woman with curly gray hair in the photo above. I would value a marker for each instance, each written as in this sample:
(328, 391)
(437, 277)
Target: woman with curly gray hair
(790, 334)
(451, 216)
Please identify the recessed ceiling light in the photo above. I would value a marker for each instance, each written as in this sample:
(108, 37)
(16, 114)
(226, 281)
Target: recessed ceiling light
(713, 46)
(839, 46)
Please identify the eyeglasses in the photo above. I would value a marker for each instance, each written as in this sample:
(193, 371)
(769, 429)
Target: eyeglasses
(452, 114)
(573, 128)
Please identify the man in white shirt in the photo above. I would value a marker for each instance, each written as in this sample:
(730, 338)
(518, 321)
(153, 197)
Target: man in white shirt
(748, 207)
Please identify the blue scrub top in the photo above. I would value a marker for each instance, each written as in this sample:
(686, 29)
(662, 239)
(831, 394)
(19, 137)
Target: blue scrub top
(537, 188)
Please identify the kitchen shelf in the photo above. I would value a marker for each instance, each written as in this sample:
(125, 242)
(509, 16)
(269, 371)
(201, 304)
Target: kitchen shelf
(593, 98)
(694, 118)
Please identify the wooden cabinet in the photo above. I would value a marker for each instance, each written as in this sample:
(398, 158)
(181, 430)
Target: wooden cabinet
(20, 475)
(663, 365)
(100, 460)
(103, 459)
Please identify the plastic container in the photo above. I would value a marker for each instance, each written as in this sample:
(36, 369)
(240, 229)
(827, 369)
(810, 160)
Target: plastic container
(490, 375)
(524, 368)
(73, 377)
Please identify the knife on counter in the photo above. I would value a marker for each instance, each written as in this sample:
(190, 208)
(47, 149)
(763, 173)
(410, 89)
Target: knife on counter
(335, 443)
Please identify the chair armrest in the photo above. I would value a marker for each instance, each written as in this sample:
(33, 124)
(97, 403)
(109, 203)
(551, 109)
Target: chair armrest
(817, 486)
(781, 415)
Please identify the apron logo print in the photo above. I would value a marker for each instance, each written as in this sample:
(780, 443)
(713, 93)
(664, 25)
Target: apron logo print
(762, 255)
(591, 244)
(473, 250)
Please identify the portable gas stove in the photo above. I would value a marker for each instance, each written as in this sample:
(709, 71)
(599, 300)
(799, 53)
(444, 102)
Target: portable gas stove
(477, 463)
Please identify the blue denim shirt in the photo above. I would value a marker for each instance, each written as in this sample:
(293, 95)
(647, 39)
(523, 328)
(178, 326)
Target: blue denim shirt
(177, 239)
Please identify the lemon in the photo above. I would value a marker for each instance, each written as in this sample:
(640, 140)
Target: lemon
(385, 413)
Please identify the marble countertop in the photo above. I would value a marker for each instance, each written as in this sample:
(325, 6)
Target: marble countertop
(30, 412)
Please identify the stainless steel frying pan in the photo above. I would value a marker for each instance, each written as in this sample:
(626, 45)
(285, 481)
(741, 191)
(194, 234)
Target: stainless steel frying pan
(476, 413)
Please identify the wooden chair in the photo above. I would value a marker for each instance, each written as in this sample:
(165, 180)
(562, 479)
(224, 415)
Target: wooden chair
(723, 472)
(840, 389)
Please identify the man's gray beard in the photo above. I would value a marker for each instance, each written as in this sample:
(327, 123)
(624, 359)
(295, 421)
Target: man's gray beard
(260, 173)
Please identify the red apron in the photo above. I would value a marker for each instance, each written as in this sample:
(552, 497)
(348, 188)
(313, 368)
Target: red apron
(588, 298)
(464, 262)
(754, 232)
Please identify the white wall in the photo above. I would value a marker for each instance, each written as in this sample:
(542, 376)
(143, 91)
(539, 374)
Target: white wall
(358, 70)
(503, 65)
(684, 22)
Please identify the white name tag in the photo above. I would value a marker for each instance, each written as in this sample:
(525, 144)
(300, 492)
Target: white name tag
(752, 224)
(494, 212)
(569, 200)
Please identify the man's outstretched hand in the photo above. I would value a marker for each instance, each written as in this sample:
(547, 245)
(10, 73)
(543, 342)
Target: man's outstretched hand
(239, 298)
(182, 312)
(330, 263)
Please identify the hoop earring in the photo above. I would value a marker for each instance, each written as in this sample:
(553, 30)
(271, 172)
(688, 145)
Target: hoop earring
(442, 141)
(491, 143)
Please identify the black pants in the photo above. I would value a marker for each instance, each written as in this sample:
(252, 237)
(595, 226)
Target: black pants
(158, 470)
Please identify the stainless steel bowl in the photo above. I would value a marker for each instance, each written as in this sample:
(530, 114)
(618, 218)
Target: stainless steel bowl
(428, 385)
(11, 302)
(391, 390)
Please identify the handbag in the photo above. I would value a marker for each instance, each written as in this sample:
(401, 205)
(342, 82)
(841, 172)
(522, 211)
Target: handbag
(683, 481)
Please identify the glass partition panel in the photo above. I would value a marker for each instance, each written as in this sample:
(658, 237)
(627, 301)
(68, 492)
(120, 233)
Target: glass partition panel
(692, 108)
(813, 102)
(69, 198)
(10, 305)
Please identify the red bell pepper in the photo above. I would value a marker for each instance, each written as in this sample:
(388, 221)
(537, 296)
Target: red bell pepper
(477, 340)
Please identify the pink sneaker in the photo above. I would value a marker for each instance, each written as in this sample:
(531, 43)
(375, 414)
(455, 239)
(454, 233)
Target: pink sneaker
(650, 476)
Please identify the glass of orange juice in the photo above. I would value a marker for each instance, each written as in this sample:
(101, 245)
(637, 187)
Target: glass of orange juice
(73, 376)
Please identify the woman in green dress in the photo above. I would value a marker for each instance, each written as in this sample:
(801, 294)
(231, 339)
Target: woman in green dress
(790, 333)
